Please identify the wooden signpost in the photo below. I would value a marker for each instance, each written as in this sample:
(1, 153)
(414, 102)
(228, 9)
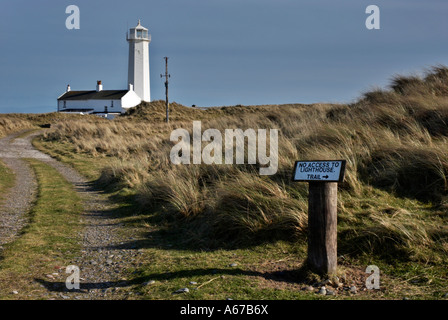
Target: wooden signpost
(323, 177)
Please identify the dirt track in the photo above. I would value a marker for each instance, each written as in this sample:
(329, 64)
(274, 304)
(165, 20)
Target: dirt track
(19, 199)
(105, 255)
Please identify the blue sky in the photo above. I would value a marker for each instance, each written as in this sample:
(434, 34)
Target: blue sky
(222, 52)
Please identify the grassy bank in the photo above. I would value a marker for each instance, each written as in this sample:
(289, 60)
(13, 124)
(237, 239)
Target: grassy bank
(47, 243)
(15, 122)
(392, 204)
(12, 123)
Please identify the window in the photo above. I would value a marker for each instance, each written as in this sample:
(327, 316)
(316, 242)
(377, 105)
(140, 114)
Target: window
(139, 33)
(112, 104)
(65, 103)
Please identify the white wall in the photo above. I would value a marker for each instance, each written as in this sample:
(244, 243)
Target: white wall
(97, 105)
(129, 100)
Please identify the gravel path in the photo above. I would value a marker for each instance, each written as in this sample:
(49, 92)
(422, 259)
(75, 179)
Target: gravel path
(19, 199)
(106, 253)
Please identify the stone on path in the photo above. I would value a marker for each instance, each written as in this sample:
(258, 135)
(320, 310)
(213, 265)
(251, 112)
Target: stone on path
(183, 290)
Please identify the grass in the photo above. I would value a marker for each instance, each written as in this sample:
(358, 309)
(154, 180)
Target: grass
(214, 276)
(26, 133)
(270, 269)
(392, 209)
(13, 123)
(89, 166)
(7, 180)
(47, 243)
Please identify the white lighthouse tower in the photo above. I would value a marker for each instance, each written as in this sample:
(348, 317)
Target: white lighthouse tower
(138, 68)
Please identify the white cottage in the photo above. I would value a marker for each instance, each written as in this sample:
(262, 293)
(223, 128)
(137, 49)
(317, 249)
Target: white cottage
(101, 102)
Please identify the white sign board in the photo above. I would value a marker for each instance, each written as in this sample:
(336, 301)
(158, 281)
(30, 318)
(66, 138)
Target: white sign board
(319, 170)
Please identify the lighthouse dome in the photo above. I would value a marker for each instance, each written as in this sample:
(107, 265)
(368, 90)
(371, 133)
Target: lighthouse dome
(139, 26)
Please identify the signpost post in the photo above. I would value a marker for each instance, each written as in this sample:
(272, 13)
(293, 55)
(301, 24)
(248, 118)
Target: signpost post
(323, 177)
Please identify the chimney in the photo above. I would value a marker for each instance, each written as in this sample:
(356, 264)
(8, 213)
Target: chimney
(131, 87)
(68, 88)
(99, 86)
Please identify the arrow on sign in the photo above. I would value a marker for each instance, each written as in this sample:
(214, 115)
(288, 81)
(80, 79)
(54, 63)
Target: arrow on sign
(326, 177)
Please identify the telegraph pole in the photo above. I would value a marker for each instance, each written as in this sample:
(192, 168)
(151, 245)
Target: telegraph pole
(166, 75)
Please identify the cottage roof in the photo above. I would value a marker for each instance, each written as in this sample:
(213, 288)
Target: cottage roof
(93, 95)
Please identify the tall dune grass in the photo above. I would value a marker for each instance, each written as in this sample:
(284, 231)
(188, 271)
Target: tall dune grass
(10, 124)
(393, 139)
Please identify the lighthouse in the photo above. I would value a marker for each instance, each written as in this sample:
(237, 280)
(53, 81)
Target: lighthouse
(138, 68)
